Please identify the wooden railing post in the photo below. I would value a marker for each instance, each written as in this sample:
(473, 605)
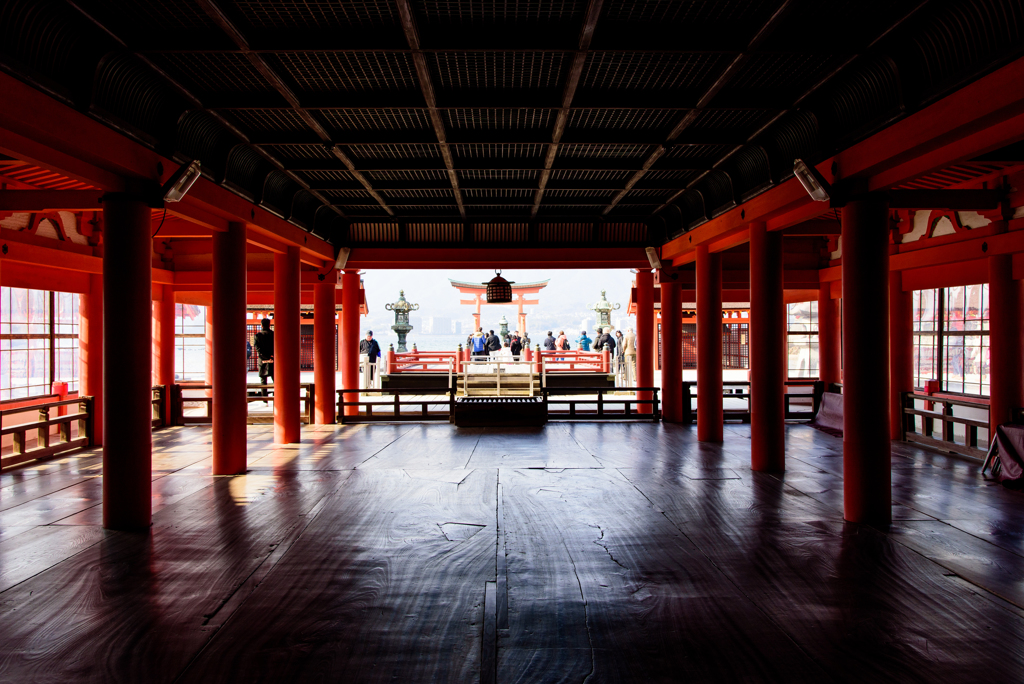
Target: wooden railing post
(818, 394)
(43, 433)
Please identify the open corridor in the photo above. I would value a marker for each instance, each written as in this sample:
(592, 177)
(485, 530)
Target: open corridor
(575, 552)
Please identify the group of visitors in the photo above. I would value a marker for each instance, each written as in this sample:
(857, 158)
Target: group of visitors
(485, 345)
(621, 347)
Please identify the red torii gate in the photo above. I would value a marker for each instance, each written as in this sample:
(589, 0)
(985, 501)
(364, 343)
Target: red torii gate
(520, 290)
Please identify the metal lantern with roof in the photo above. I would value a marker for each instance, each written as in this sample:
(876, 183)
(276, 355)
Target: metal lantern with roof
(604, 309)
(401, 326)
(499, 290)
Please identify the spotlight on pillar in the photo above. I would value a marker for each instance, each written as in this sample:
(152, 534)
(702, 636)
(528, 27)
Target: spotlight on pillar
(499, 290)
(652, 257)
(181, 181)
(814, 183)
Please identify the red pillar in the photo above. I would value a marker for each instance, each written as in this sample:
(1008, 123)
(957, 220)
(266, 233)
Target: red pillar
(767, 351)
(163, 346)
(127, 364)
(286, 346)
(709, 346)
(1005, 352)
(324, 349)
(828, 336)
(350, 297)
(866, 446)
(90, 352)
(230, 409)
(646, 344)
(901, 349)
(672, 352)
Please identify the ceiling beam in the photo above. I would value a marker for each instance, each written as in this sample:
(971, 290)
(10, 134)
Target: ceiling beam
(50, 200)
(427, 88)
(803, 96)
(568, 93)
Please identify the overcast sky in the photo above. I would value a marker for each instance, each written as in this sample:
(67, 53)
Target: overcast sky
(563, 303)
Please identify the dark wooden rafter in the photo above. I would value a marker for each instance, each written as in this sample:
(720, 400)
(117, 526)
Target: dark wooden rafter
(427, 87)
(568, 93)
(687, 120)
(274, 79)
(198, 104)
(803, 96)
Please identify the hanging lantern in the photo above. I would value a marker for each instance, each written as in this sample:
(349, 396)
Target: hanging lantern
(499, 290)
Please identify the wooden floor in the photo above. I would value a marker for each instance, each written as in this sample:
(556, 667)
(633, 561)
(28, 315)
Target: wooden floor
(572, 553)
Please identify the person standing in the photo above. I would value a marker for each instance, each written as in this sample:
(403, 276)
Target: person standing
(549, 342)
(371, 349)
(618, 351)
(264, 347)
(629, 353)
(516, 345)
(493, 343)
(583, 342)
(478, 345)
(606, 340)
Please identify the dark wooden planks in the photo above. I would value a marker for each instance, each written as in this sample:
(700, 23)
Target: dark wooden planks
(133, 607)
(602, 587)
(376, 589)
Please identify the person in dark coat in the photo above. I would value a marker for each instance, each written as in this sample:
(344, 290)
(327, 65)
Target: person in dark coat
(549, 341)
(516, 345)
(370, 347)
(493, 343)
(263, 344)
(606, 340)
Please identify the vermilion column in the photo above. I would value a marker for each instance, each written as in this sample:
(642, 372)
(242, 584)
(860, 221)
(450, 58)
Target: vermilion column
(230, 409)
(828, 336)
(163, 345)
(671, 352)
(709, 345)
(645, 340)
(901, 349)
(350, 336)
(866, 446)
(324, 349)
(90, 352)
(286, 347)
(767, 351)
(127, 364)
(1005, 340)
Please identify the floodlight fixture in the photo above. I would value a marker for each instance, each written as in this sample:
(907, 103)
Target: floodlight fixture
(342, 258)
(652, 257)
(181, 181)
(814, 183)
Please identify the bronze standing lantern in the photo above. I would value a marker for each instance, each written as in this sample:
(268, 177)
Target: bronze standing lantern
(401, 326)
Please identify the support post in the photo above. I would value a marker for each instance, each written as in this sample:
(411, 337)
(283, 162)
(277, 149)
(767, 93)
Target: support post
(127, 364)
(286, 346)
(324, 349)
(767, 352)
(672, 352)
(828, 337)
(163, 345)
(646, 342)
(866, 446)
(710, 414)
(1006, 391)
(90, 352)
(230, 408)
(350, 297)
(901, 351)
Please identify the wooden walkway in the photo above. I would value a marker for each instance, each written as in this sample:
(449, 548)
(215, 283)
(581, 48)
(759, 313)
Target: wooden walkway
(575, 553)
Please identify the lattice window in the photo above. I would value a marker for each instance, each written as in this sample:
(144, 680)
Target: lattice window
(802, 335)
(38, 342)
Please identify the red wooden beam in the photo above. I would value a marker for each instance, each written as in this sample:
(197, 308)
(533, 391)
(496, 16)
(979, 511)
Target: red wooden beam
(526, 257)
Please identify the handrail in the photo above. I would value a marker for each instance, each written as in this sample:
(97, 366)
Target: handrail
(744, 414)
(497, 363)
(909, 433)
(178, 401)
(44, 447)
(601, 412)
(397, 404)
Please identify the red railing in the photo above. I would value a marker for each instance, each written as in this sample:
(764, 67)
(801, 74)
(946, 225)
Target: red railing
(554, 361)
(422, 362)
